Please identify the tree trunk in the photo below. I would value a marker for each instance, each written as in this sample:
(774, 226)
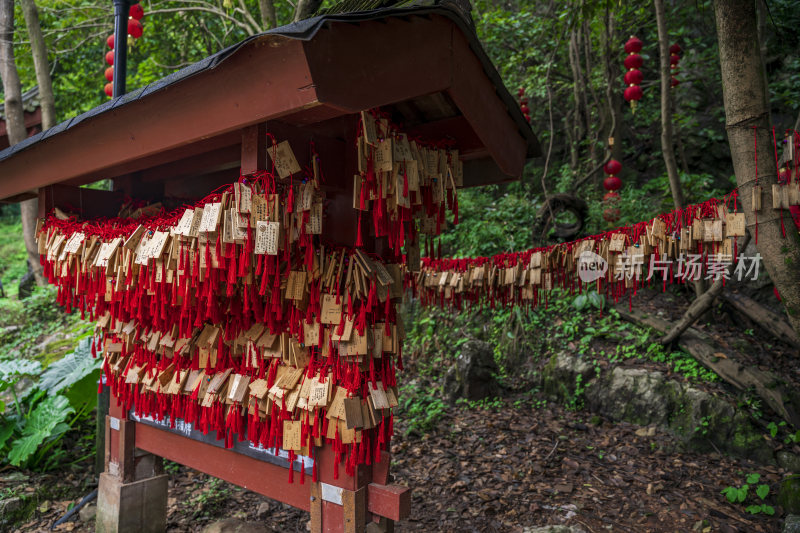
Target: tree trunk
(29, 209)
(667, 146)
(268, 17)
(306, 9)
(15, 125)
(613, 92)
(40, 63)
(744, 90)
(577, 122)
(15, 117)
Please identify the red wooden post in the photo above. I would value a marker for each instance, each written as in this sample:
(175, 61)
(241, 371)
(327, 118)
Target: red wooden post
(132, 496)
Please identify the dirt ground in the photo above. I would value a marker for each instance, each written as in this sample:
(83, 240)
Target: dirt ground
(502, 470)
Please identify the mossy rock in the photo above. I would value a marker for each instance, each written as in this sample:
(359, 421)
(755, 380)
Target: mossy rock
(789, 494)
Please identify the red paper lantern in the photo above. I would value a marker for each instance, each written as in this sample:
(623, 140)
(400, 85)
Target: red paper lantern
(612, 183)
(633, 77)
(521, 92)
(528, 118)
(135, 28)
(634, 45)
(675, 49)
(674, 82)
(110, 41)
(612, 167)
(109, 89)
(110, 73)
(136, 11)
(611, 214)
(525, 109)
(110, 57)
(674, 59)
(633, 93)
(633, 61)
(611, 197)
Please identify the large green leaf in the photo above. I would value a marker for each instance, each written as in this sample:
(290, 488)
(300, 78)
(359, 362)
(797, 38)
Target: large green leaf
(13, 369)
(43, 421)
(72, 368)
(6, 430)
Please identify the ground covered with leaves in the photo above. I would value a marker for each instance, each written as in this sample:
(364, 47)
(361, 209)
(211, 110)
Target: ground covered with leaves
(504, 467)
(519, 460)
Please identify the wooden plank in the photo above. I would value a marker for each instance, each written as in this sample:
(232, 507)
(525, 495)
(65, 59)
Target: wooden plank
(264, 478)
(315, 525)
(476, 97)
(380, 470)
(391, 501)
(127, 437)
(254, 148)
(376, 74)
(87, 203)
(354, 507)
(332, 518)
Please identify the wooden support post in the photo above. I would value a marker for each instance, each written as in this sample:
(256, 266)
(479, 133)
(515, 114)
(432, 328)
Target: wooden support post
(132, 496)
(254, 148)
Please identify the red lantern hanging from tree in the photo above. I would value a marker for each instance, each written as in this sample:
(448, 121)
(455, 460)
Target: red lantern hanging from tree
(674, 58)
(136, 11)
(523, 104)
(135, 28)
(633, 77)
(612, 184)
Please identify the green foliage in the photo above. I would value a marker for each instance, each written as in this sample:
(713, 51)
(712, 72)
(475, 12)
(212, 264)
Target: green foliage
(46, 422)
(575, 400)
(14, 264)
(36, 317)
(420, 407)
(71, 370)
(739, 495)
(493, 219)
(50, 404)
(587, 299)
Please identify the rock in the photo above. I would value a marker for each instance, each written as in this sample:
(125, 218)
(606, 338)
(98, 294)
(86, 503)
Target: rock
(560, 375)
(791, 524)
(232, 525)
(633, 394)
(26, 285)
(646, 432)
(472, 377)
(788, 461)
(704, 422)
(10, 505)
(88, 512)
(263, 509)
(789, 495)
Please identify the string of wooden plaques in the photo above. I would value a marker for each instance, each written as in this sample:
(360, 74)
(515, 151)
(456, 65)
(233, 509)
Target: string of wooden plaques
(698, 242)
(233, 315)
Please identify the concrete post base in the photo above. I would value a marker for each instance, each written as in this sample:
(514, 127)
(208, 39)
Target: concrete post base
(135, 507)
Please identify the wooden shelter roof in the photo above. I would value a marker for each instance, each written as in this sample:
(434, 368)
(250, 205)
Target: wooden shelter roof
(424, 65)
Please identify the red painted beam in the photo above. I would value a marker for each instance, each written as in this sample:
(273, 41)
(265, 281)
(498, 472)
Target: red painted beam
(216, 101)
(391, 501)
(267, 479)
